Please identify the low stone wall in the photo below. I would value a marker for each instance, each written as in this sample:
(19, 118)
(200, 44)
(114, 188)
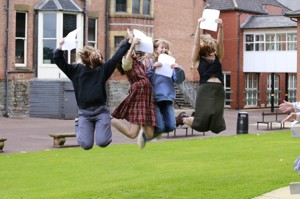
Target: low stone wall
(18, 98)
(18, 95)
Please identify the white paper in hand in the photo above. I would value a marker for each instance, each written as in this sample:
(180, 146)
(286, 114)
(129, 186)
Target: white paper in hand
(210, 16)
(70, 41)
(165, 69)
(146, 44)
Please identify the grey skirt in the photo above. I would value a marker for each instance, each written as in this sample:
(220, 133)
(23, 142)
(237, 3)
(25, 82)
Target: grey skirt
(209, 109)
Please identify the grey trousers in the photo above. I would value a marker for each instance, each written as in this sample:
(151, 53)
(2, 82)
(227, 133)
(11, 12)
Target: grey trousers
(93, 124)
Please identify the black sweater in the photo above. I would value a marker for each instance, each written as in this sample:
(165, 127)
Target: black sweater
(88, 83)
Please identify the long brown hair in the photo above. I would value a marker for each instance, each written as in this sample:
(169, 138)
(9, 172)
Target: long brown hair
(86, 54)
(209, 45)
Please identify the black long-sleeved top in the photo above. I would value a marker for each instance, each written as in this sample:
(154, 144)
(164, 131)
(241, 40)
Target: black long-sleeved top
(88, 83)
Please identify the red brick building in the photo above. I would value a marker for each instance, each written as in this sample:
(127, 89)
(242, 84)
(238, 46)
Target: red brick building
(35, 26)
(256, 34)
(260, 48)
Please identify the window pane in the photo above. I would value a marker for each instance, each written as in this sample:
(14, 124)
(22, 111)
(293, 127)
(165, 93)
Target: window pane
(118, 40)
(292, 41)
(49, 27)
(20, 24)
(19, 51)
(270, 46)
(249, 38)
(259, 37)
(92, 29)
(136, 7)
(69, 24)
(121, 5)
(146, 7)
(259, 46)
(48, 51)
(249, 47)
(270, 37)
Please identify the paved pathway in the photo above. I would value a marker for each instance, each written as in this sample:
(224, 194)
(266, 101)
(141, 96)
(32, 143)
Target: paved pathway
(31, 134)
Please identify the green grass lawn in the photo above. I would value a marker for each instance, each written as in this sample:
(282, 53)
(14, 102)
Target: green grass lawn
(231, 167)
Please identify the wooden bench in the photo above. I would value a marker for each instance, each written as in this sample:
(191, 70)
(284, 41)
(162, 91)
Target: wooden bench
(275, 119)
(2, 140)
(59, 139)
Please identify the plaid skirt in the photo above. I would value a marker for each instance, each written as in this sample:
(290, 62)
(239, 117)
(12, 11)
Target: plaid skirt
(138, 107)
(209, 110)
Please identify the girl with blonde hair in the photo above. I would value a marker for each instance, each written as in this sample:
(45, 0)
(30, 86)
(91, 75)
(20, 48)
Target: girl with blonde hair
(207, 54)
(163, 90)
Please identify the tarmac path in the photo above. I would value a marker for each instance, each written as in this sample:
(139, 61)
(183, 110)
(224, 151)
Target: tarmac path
(31, 134)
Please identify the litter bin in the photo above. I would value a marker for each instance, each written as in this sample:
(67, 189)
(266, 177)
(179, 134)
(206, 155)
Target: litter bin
(242, 123)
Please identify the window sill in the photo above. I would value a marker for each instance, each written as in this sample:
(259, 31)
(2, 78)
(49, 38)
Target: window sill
(126, 15)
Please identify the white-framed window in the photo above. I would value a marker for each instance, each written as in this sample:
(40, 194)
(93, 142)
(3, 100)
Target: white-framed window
(92, 32)
(49, 37)
(249, 42)
(121, 5)
(292, 41)
(281, 41)
(251, 90)
(285, 41)
(292, 87)
(21, 39)
(259, 42)
(276, 90)
(270, 42)
(53, 26)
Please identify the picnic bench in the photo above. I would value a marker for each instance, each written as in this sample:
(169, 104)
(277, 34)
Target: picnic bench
(186, 128)
(2, 140)
(269, 118)
(59, 139)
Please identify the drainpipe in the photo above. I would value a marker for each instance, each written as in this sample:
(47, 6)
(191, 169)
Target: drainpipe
(238, 61)
(6, 60)
(84, 22)
(106, 29)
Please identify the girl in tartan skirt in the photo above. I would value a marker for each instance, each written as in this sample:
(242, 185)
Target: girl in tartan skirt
(138, 107)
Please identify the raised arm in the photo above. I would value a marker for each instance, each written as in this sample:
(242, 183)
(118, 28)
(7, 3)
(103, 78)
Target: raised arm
(60, 61)
(196, 44)
(127, 60)
(220, 38)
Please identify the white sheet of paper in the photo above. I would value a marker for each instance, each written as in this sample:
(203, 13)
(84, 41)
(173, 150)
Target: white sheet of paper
(146, 44)
(70, 41)
(165, 69)
(210, 16)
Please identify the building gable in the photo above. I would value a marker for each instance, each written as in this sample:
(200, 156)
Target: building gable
(58, 5)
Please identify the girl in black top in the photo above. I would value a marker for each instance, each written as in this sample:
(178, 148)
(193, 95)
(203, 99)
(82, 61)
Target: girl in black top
(207, 54)
(89, 79)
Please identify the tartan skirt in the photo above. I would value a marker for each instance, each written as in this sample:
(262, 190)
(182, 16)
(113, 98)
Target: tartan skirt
(209, 109)
(138, 107)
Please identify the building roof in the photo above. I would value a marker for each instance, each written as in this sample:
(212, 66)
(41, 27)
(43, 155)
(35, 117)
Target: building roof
(295, 13)
(268, 21)
(58, 5)
(252, 6)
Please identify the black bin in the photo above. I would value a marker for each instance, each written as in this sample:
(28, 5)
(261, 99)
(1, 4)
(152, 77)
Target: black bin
(242, 123)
